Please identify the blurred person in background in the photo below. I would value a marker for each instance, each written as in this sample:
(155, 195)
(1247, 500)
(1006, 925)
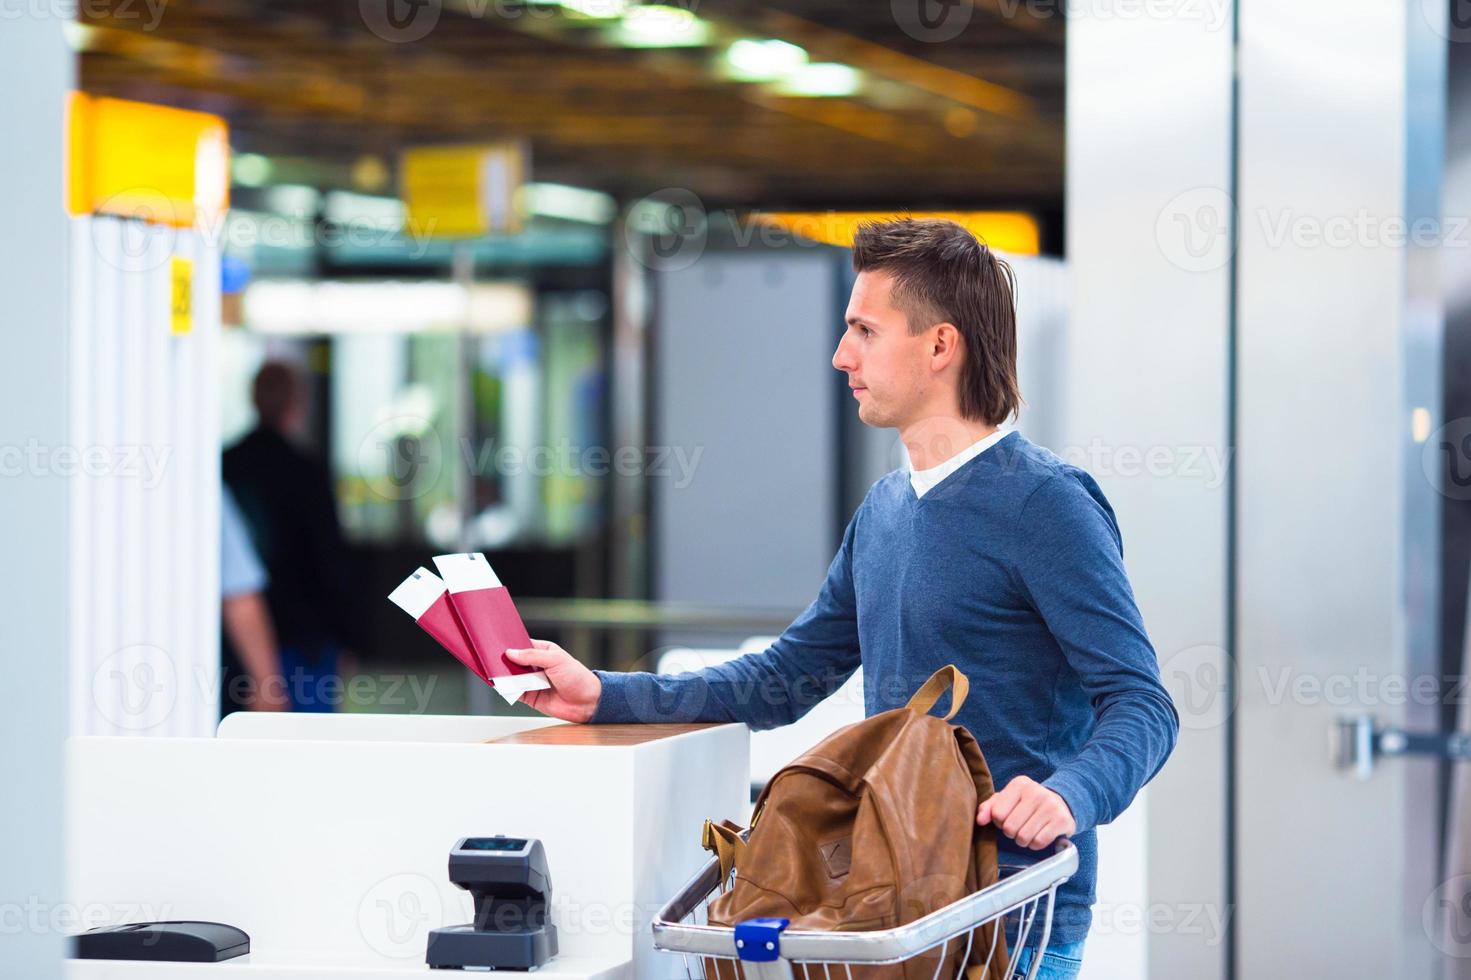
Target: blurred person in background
(251, 672)
(286, 497)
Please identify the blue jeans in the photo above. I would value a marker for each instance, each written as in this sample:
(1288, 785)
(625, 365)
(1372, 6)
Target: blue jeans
(311, 677)
(1062, 961)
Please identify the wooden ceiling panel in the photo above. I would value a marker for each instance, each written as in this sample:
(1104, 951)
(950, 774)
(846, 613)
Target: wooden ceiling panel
(968, 117)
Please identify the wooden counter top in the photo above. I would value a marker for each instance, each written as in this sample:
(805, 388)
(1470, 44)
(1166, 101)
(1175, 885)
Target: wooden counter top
(595, 734)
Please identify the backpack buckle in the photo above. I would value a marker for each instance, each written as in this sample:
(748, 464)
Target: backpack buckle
(759, 940)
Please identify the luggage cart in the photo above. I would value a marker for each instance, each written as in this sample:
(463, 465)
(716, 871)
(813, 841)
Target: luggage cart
(763, 949)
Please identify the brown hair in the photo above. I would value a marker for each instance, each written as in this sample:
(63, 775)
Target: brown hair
(942, 274)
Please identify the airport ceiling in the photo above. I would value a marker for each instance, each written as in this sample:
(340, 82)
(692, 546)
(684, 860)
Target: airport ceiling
(942, 103)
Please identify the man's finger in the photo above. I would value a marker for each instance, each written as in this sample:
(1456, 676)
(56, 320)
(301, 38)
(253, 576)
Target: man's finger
(533, 657)
(1001, 803)
(1019, 815)
(1032, 830)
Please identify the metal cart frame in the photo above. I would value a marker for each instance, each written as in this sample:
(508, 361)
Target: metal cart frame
(763, 949)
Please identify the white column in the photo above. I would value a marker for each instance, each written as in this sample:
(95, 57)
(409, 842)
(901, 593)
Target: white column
(1149, 108)
(1341, 116)
(36, 68)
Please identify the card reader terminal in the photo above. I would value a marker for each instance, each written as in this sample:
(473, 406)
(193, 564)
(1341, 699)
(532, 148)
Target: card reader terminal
(512, 889)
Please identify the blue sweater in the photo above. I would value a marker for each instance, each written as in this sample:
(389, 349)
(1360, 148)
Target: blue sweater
(1012, 569)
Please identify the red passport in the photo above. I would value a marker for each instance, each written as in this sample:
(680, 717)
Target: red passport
(489, 618)
(423, 596)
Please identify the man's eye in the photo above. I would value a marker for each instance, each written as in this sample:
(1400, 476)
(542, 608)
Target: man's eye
(865, 331)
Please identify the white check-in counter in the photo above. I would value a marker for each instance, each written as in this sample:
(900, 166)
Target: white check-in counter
(326, 837)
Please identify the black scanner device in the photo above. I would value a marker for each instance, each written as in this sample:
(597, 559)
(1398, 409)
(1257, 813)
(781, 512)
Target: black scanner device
(508, 879)
(175, 942)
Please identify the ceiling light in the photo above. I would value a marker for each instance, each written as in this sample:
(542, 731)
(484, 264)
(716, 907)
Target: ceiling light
(750, 60)
(660, 26)
(595, 9)
(567, 203)
(826, 78)
(251, 169)
(363, 210)
(292, 200)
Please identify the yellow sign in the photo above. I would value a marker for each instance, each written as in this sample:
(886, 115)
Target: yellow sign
(181, 296)
(1006, 231)
(462, 191)
(160, 165)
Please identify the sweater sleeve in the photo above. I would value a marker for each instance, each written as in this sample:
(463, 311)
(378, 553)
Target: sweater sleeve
(1071, 562)
(775, 687)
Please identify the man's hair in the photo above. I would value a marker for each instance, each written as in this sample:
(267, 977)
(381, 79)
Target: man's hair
(942, 274)
(276, 389)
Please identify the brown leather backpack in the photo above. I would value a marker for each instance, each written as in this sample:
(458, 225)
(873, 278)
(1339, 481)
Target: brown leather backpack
(873, 827)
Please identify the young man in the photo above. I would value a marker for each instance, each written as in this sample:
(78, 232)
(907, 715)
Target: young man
(991, 553)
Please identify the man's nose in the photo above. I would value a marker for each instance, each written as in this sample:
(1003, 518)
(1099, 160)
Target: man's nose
(841, 360)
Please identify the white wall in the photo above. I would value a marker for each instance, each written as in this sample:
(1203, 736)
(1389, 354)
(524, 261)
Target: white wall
(36, 71)
(145, 561)
(744, 393)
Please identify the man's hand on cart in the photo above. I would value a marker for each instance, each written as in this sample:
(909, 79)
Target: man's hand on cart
(1029, 813)
(575, 690)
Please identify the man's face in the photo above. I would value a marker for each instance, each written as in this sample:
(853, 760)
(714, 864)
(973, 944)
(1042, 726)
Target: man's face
(887, 368)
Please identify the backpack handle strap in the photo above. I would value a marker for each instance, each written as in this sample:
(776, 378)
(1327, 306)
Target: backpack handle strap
(724, 841)
(946, 678)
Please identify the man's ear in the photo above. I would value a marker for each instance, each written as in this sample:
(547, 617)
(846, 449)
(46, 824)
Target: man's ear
(945, 346)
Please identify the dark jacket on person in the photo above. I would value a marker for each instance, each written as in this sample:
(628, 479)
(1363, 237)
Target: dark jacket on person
(286, 497)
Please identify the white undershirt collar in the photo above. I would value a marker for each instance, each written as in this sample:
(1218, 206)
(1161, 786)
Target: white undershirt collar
(924, 481)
